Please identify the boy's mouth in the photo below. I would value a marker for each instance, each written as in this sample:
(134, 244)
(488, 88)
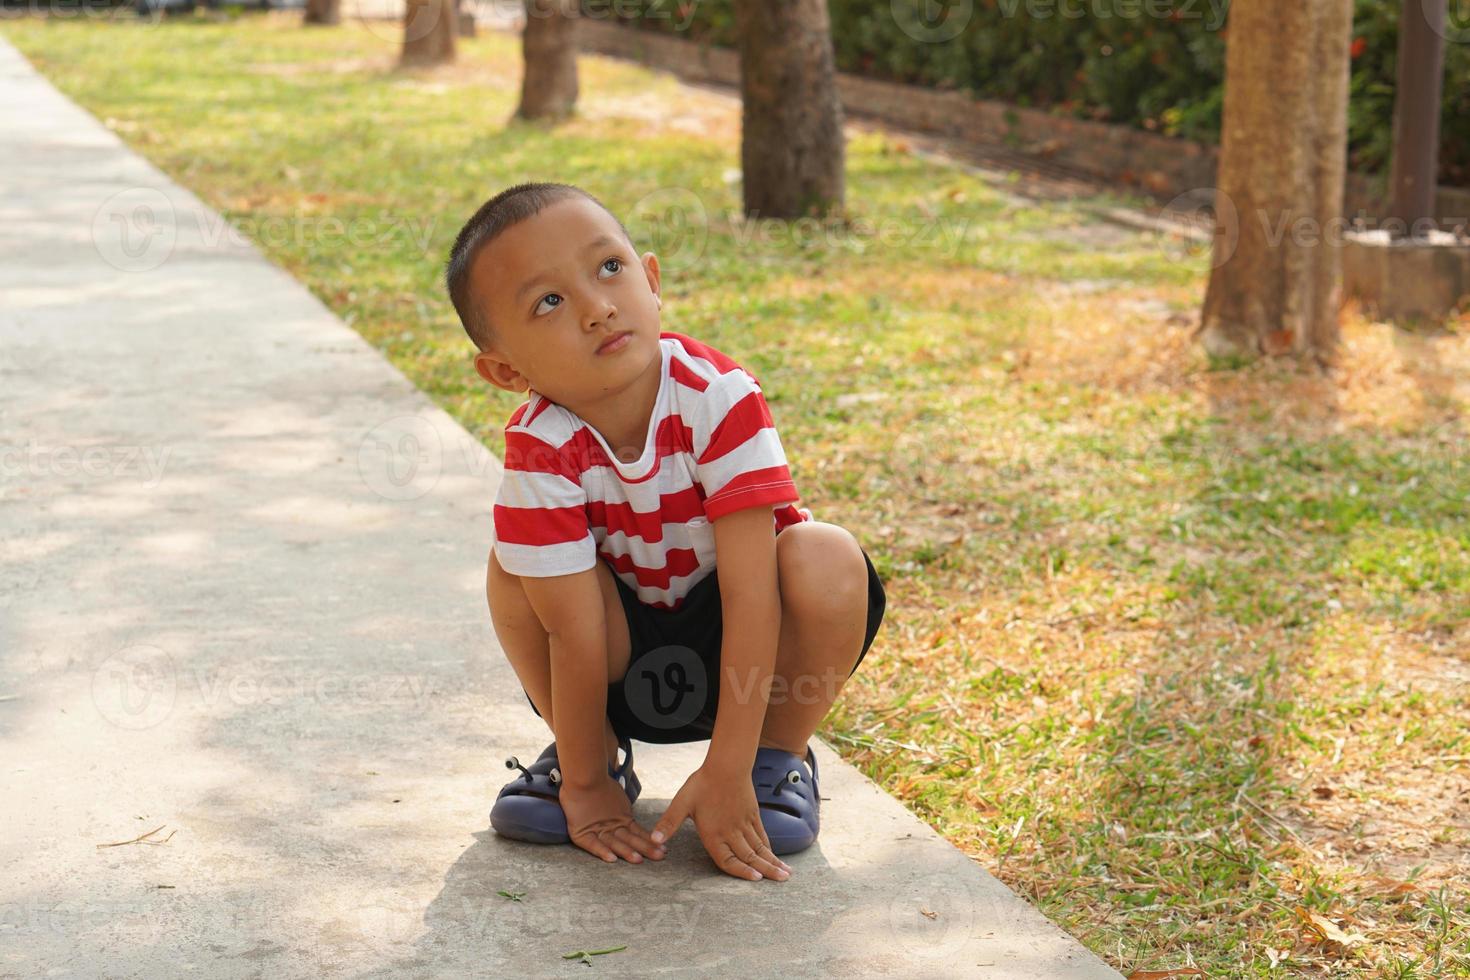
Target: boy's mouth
(616, 342)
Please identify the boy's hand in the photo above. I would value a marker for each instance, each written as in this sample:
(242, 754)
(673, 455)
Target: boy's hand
(600, 821)
(728, 820)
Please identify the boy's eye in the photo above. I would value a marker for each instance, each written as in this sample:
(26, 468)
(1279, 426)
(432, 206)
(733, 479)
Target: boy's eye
(617, 266)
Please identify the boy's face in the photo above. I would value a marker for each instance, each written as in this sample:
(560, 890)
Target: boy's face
(556, 287)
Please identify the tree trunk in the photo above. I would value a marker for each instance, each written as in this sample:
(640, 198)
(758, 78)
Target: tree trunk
(325, 12)
(1276, 285)
(549, 43)
(429, 27)
(792, 150)
(466, 19)
(1415, 171)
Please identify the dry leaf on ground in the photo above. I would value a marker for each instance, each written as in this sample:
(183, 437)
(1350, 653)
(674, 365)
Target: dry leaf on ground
(1329, 931)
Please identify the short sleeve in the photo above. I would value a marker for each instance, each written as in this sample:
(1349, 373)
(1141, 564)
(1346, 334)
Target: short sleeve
(541, 524)
(738, 456)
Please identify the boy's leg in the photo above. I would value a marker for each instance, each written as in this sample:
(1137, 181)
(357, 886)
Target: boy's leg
(823, 580)
(528, 647)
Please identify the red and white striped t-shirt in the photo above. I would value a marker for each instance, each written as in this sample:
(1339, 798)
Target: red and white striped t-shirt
(712, 449)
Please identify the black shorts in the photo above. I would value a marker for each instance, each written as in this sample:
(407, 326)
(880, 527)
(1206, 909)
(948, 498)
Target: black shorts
(672, 686)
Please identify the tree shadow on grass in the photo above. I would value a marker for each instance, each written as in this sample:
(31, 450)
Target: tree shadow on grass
(1316, 611)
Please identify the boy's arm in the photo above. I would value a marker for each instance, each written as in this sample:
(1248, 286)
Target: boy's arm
(719, 795)
(750, 605)
(599, 816)
(571, 610)
(542, 536)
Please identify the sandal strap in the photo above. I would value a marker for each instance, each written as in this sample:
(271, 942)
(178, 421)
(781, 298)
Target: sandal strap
(534, 779)
(779, 779)
(626, 744)
(539, 772)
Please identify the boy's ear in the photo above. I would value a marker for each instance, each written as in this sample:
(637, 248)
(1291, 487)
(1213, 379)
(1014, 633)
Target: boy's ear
(651, 270)
(499, 372)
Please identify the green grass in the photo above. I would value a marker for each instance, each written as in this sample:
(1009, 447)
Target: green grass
(1176, 649)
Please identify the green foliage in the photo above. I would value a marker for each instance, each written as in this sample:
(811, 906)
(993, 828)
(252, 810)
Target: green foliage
(1155, 64)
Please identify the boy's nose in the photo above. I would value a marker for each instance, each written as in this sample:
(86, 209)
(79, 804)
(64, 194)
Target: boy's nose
(600, 311)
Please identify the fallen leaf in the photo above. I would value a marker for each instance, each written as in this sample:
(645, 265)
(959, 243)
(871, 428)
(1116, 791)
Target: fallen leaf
(1278, 342)
(584, 955)
(1390, 888)
(1328, 930)
(927, 914)
(1183, 971)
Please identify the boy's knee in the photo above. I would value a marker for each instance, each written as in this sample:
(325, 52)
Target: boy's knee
(822, 563)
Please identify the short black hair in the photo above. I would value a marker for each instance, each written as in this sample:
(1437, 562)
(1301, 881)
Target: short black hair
(511, 206)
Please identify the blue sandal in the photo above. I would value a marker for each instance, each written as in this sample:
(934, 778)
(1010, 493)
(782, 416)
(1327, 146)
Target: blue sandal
(788, 796)
(528, 806)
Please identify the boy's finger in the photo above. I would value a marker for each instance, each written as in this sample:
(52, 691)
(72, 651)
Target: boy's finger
(672, 819)
(635, 832)
(645, 839)
(763, 847)
(766, 851)
(768, 869)
(592, 845)
(732, 864)
(764, 861)
(624, 847)
(641, 843)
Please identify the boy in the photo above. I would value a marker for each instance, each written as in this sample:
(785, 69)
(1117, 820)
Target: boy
(641, 461)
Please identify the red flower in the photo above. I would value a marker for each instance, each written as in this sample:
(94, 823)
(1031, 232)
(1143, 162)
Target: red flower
(1360, 45)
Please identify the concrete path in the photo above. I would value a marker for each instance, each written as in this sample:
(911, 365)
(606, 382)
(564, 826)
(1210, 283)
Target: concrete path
(242, 617)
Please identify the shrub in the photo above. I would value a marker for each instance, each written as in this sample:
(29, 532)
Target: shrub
(1155, 64)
